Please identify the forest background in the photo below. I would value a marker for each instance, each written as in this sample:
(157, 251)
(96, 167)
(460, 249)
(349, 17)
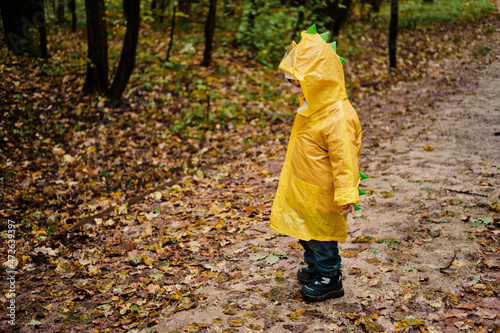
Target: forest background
(108, 104)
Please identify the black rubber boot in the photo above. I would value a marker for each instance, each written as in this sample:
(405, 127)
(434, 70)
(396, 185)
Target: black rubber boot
(306, 275)
(323, 288)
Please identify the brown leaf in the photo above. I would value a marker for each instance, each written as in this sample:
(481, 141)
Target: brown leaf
(468, 306)
(131, 246)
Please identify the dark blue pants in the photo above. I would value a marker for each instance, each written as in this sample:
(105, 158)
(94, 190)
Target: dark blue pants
(322, 256)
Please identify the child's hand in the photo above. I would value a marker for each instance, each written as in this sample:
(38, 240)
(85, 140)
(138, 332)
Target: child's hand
(349, 208)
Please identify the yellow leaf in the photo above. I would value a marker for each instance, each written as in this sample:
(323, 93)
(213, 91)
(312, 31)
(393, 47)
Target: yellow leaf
(236, 322)
(387, 194)
(350, 254)
(185, 307)
(255, 327)
(428, 147)
(121, 209)
(367, 239)
(68, 158)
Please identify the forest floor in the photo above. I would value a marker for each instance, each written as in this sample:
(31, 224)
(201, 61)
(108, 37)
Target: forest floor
(421, 254)
(195, 253)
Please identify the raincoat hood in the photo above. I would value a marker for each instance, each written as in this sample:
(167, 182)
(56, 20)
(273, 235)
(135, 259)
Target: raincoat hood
(318, 68)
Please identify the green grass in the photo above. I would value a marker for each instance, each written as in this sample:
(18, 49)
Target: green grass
(417, 13)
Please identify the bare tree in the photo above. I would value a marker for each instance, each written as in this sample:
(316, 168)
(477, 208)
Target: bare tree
(393, 35)
(42, 28)
(376, 6)
(171, 42)
(60, 11)
(21, 20)
(97, 63)
(96, 80)
(338, 11)
(72, 9)
(126, 65)
(209, 33)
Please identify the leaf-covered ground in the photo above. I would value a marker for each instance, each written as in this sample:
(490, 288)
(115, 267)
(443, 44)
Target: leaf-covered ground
(195, 253)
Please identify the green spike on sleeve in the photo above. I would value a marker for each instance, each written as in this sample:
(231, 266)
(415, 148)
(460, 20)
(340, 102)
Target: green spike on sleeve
(362, 175)
(334, 46)
(356, 207)
(325, 35)
(361, 192)
(342, 60)
(312, 29)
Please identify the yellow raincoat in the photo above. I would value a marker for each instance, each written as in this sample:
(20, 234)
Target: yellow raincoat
(320, 173)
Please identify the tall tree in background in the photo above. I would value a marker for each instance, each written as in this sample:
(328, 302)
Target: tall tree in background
(72, 9)
(393, 35)
(96, 80)
(60, 11)
(42, 28)
(21, 20)
(338, 11)
(185, 6)
(172, 29)
(209, 33)
(252, 14)
(376, 6)
(158, 8)
(131, 9)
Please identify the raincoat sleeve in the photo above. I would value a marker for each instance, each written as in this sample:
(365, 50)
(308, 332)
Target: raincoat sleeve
(343, 138)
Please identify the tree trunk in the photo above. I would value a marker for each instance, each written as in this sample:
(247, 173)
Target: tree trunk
(185, 6)
(393, 35)
(154, 10)
(163, 7)
(42, 30)
(60, 11)
(97, 63)
(12, 13)
(209, 33)
(339, 14)
(376, 6)
(21, 20)
(252, 14)
(171, 42)
(131, 8)
(72, 9)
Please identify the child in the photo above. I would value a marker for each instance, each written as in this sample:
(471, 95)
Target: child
(318, 185)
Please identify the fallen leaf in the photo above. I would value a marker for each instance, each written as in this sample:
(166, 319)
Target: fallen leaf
(46, 251)
(185, 307)
(428, 147)
(462, 326)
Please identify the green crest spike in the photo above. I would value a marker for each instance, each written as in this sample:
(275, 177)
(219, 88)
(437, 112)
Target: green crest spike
(312, 29)
(334, 46)
(361, 192)
(325, 35)
(356, 207)
(342, 60)
(362, 175)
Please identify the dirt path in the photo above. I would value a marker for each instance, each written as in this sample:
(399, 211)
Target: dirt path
(422, 253)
